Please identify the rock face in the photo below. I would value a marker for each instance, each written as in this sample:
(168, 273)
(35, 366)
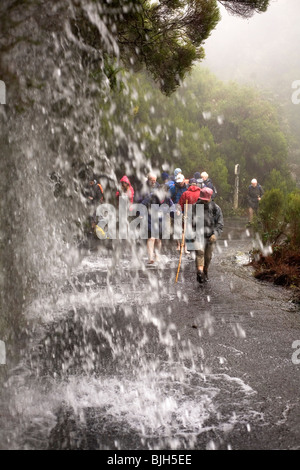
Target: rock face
(50, 140)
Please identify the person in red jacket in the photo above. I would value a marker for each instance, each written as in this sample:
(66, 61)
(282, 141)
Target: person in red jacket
(191, 195)
(126, 190)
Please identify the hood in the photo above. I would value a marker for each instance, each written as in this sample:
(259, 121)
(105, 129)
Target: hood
(125, 179)
(194, 188)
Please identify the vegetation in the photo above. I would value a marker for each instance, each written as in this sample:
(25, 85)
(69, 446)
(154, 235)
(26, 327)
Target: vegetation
(278, 224)
(205, 125)
(165, 37)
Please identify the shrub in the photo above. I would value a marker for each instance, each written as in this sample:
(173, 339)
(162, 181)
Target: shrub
(271, 221)
(292, 217)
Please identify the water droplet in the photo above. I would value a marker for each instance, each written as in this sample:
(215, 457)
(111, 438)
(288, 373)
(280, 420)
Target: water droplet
(206, 115)
(211, 446)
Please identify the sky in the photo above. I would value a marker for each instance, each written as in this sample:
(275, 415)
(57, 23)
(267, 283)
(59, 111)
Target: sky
(263, 50)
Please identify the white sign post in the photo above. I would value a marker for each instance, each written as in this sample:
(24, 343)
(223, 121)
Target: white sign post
(236, 186)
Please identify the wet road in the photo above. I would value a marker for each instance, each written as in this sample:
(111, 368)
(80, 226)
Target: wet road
(123, 358)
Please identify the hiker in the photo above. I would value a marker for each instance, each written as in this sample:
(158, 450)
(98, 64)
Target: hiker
(176, 172)
(255, 193)
(95, 193)
(165, 177)
(176, 192)
(148, 187)
(126, 190)
(152, 182)
(213, 226)
(207, 183)
(95, 196)
(179, 188)
(198, 179)
(168, 180)
(191, 195)
(155, 232)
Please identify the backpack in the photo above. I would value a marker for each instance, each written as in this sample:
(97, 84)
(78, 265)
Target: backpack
(211, 216)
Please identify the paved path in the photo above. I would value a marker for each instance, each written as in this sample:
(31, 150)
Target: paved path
(124, 358)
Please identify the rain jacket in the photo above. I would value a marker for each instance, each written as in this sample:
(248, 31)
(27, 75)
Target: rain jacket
(97, 193)
(191, 196)
(213, 219)
(253, 194)
(165, 210)
(130, 191)
(176, 192)
(147, 191)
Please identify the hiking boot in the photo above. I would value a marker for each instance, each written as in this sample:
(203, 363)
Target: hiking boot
(205, 275)
(200, 277)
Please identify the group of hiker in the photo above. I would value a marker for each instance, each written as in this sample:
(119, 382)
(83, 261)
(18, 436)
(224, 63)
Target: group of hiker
(170, 197)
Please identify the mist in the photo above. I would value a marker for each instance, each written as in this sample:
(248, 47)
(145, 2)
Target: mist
(262, 50)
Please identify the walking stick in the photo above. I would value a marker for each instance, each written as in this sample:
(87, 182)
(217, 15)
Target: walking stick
(182, 239)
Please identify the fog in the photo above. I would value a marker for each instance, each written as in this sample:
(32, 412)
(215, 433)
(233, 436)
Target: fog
(262, 50)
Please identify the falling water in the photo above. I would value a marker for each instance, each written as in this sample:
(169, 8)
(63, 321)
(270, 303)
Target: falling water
(91, 348)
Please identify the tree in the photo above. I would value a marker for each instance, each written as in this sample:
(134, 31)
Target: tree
(165, 36)
(245, 8)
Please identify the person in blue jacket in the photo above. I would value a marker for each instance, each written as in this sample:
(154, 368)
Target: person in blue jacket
(179, 188)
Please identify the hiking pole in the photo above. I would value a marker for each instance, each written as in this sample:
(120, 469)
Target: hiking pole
(182, 239)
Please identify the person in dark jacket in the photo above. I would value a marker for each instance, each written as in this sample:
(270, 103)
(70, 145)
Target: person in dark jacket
(166, 209)
(95, 192)
(213, 226)
(207, 182)
(255, 193)
(165, 177)
(95, 196)
(149, 186)
(198, 179)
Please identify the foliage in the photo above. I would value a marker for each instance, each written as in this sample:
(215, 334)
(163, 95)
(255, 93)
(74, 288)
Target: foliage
(166, 37)
(279, 214)
(277, 179)
(293, 217)
(245, 8)
(271, 215)
(205, 125)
